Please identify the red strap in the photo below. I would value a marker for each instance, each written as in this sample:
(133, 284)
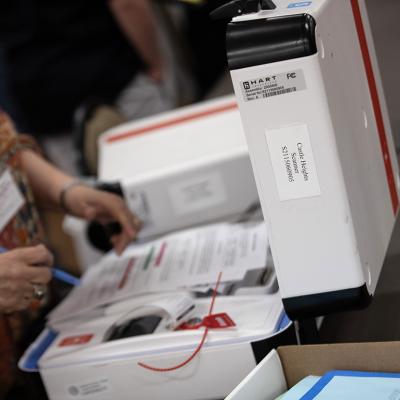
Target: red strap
(376, 104)
(198, 348)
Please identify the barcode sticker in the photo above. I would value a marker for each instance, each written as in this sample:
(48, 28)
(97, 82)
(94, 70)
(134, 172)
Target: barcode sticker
(273, 85)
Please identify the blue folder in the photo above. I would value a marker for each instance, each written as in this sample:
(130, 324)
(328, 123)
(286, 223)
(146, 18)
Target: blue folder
(364, 385)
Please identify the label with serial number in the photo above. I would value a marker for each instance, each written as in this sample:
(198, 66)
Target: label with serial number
(293, 162)
(267, 86)
(95, 389)
(198, 193)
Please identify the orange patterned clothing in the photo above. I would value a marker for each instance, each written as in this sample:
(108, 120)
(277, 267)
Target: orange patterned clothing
(25, 228)
(22, 230)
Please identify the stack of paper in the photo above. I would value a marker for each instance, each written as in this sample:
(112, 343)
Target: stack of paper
(185, 259)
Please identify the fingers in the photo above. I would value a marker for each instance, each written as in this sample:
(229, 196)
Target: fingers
(116, 208)
(20, 289)
(37, 275)
(34, 266)
(37, 255)
(120, 242)
(104, 207)
(32, 274)
(30, 264)
(20, 270)
(130, 224)
(10, 306)
(130, 229)
(16, 297)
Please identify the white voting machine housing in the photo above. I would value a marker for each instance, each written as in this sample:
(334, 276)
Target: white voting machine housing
(309, 90)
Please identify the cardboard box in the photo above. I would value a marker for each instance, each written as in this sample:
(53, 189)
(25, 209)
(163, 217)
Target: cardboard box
(286, 366)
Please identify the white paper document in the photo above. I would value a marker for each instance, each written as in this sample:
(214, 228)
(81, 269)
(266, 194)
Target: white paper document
(179, 260)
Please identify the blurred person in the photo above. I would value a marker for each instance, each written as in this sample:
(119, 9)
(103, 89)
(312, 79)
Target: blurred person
(27, 180)
(60, 54)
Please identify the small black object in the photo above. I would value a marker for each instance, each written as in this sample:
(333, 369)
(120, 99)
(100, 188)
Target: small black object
(133, 327)
(267, 5)
(99, 235)
(112, 187)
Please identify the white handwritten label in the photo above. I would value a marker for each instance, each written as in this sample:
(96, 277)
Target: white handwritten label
(293, 162)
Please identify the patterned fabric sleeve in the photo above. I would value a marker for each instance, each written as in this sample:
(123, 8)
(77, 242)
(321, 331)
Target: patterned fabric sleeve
(25, 228)
(22, 230)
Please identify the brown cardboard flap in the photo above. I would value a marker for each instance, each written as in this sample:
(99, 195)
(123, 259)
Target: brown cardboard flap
(301, 361)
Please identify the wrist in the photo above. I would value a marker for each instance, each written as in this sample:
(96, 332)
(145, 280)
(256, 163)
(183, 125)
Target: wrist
(65, 190)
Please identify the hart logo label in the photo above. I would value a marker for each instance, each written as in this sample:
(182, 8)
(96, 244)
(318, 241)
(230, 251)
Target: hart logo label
(265, 87)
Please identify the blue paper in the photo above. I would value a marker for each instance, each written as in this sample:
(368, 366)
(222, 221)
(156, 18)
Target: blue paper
(351, 385)
(302, 387)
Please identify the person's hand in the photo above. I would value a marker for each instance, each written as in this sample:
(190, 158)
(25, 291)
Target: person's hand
(21, 271)
(103, 207)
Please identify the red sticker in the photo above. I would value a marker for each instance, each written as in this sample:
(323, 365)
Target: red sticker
(218, 321)
(75, 340)
(213, 321)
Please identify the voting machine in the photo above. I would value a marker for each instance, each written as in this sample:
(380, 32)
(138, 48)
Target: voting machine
(307, 82)
(142, 323)
(181, 168)
(188, 168)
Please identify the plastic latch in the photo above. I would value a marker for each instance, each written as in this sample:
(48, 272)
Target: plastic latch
(235, 8)
(212, 321)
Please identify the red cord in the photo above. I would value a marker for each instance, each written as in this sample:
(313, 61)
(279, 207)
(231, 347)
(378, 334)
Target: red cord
(198, 348)
(215, 294)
